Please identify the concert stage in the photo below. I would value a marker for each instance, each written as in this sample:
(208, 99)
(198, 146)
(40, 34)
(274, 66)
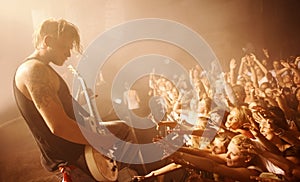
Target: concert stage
(19, 155)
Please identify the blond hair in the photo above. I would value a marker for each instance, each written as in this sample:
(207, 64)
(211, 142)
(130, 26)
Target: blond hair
(56, 28)
(244, 144)
(242, 115)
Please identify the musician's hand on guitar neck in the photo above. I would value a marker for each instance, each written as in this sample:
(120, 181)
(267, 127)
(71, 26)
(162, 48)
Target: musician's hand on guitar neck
(91, 124)
(95, 126)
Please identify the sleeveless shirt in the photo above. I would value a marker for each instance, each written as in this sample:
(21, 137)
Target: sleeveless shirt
(54, 149)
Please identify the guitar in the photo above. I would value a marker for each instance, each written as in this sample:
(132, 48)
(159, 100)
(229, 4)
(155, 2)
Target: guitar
(93, 116)
(102, 168)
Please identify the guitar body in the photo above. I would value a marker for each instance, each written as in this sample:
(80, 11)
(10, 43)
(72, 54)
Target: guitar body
(101, 167)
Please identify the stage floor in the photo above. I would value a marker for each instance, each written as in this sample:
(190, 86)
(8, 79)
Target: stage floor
(19, 155)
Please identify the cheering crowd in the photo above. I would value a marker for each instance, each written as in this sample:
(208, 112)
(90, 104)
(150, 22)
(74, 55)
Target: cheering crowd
(252, 113)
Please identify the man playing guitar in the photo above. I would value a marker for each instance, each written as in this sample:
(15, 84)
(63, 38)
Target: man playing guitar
(45, 101)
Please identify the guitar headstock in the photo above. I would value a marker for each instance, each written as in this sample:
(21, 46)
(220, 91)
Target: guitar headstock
(73, 70)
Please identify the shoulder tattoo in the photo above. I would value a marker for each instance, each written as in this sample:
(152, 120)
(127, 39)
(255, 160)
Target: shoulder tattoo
(42, 88)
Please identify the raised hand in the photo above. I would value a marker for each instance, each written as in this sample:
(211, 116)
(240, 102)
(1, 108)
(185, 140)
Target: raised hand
(232, 64)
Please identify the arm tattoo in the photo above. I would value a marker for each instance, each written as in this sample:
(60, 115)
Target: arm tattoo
(42, 89)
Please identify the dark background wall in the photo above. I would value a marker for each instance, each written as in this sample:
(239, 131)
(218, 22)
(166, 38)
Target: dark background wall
(281, 27)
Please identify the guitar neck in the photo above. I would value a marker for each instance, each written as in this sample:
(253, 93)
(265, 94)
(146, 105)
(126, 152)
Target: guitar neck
(87, 97)
(90, 106)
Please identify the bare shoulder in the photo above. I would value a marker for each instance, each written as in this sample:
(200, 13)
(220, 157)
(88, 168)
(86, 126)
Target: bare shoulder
(31, 68)
(34, 75)
(35, 71)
